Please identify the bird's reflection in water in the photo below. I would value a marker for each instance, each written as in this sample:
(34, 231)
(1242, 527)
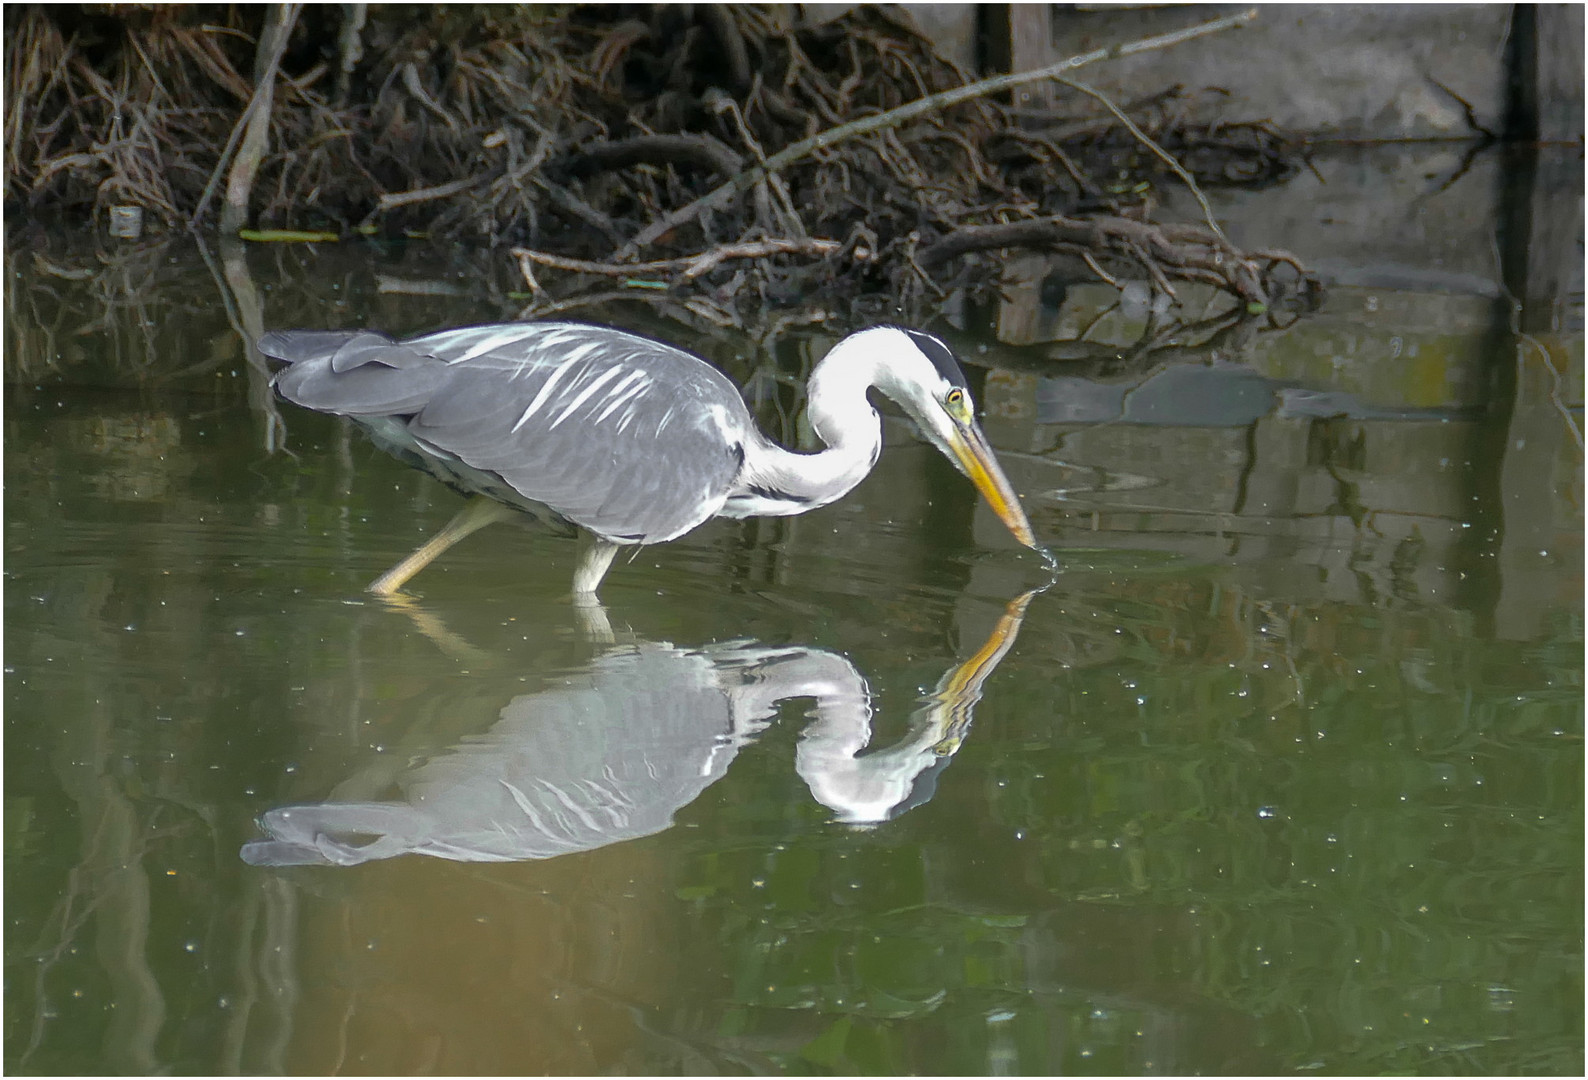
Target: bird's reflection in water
(614, 751)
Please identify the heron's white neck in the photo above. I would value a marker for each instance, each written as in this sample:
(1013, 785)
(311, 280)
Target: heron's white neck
(777, 482)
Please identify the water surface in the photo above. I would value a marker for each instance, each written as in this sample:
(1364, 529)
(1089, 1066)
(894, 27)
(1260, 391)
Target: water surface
(1283, 772)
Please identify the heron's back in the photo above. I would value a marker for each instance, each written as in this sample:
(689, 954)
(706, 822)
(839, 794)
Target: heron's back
(631, 438)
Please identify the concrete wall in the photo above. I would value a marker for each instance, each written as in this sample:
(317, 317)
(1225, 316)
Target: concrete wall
(1349, 71)
(1446, 464)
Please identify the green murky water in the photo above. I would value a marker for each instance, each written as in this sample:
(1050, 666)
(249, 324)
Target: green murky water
(1283, 773)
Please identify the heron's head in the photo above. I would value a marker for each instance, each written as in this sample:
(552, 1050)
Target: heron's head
(919, 372)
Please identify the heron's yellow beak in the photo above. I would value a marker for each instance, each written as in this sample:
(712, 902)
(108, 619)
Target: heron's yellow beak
(975, 459)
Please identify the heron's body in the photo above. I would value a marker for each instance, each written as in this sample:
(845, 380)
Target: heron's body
(629, 438)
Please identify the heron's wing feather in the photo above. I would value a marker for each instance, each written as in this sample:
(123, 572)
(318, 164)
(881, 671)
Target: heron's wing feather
(633, 439)
(636, 446)
(351, 372)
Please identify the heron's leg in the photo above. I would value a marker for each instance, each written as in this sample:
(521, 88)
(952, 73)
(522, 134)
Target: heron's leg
(595, 555)
(475, 515)
(431, 626)
(593, 621)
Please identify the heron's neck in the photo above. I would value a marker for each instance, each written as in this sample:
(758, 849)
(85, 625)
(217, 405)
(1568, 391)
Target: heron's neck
(775, 481)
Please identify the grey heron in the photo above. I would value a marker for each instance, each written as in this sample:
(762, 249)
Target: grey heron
(630, 439)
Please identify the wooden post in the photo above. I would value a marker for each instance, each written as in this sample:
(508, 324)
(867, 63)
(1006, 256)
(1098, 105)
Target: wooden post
(1558, 72)
(1031, 47)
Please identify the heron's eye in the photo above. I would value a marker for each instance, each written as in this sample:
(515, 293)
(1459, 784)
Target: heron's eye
(957, 403)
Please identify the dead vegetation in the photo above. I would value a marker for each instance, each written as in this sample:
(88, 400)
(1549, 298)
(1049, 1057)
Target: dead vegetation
(739, 152)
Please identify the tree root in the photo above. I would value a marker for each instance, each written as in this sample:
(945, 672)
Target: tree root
(740, 151)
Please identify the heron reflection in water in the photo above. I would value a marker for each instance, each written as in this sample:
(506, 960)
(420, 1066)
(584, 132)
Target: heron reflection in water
(614, 752)
(625, 438)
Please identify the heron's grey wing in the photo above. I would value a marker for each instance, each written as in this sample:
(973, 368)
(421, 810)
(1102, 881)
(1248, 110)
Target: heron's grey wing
(351, 372)
(634, 440)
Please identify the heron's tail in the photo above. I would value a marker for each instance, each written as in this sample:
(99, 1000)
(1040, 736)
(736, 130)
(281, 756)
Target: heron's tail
(322, 835)
(351, 372)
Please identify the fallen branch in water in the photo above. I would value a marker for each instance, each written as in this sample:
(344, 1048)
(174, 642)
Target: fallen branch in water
(1191, 251)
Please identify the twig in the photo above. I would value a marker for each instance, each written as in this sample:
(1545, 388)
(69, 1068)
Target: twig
(894, 117)
(1086, 257)
(758, 249)
(1164, 155)
(692, 265)
(416, 90)
(1159, 278)
(350, 47)
(580, 209)
(789, 218)
(418, 195)
(701, 149)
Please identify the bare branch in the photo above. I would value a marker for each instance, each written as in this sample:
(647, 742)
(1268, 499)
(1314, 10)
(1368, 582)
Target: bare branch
(904, 113)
